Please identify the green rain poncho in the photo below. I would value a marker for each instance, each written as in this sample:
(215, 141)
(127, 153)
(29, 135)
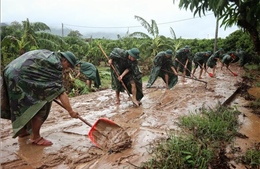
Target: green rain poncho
(31, 82)
(200, 58)
(121, 62)
(227, 58)
(162, 65)
(90, 72)
(183, 55)
(212, 61)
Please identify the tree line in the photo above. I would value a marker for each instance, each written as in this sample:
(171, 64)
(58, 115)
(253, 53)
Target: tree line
(18, 38)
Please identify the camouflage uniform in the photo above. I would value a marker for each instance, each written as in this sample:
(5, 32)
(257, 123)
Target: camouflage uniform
(31, 81)
(182, 55)
(121, 63)
(161, 66)
(89, 72)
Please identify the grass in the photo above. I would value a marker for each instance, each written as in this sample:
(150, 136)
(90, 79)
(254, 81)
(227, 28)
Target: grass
(206, 133)
(252, 157)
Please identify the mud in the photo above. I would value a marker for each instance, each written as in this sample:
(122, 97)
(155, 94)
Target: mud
(109, 136)
(154, 119)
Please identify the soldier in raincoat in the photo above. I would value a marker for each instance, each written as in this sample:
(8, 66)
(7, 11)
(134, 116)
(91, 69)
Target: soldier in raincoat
(241, 55)
(87, 72)
(127, 72)
(183, 61)
(200, 59)
(163, 67)
(31, 82)
(229, 57)
(212, 61)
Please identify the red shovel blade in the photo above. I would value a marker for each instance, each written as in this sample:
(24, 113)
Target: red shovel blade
(234, 74)
(107, 135)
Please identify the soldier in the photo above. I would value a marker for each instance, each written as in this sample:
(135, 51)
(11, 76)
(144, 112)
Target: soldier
(212, 61)
(32, 81)
(183, 61)
(230, 57)
(127, 73)
(88, 72)
(200, 59)
(164, 68)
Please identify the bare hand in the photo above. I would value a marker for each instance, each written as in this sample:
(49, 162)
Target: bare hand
(120, 78)
(73, 114)
(110, 61)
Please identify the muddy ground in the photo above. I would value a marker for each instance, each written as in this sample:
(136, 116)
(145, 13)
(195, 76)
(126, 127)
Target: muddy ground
(154, 119)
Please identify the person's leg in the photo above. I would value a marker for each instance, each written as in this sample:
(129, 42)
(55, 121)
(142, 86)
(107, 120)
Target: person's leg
(23, 132)
(194, 70)
(134, 90)
(88, 82)
(201, 70)
(117, 97)
(36, 124)
(183, 75)
(214, 70)
(166, 76)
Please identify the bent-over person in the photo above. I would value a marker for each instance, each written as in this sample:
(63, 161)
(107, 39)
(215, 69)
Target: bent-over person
(128, 72)
(164, 68)
(87, 72)
(32, 81)
(183, 61)
(200, 60)
(213, 59)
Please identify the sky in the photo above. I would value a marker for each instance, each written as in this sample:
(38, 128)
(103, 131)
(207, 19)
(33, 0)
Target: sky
(89, 16)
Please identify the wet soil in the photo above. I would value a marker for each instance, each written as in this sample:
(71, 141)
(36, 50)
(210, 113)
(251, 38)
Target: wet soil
(154, 119)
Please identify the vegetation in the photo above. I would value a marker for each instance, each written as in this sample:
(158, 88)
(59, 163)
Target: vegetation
(18, 38)
(243, 13)
(201, 145)
(207, 130)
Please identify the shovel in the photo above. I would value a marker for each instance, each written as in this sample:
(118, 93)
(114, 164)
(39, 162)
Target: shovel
(188, 77)
(232, 72)
(186, 68)
(123, 84)
(106, 134)
(210, 74)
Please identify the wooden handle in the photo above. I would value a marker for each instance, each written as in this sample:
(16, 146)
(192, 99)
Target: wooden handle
(78, 115)
(116, 74)
(83, 120)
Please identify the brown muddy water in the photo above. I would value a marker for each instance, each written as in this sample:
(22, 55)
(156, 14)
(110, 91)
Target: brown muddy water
(154, 119)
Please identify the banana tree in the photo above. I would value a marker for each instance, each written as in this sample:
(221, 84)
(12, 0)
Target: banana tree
(152, 42)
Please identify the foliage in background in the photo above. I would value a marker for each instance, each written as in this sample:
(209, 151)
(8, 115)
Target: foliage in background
(243, 13)
(18, 38)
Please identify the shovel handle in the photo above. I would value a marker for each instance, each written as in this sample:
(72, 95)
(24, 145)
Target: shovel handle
(185, 68)
(232, 72)
(83, 120)
(210, 74)
(123, 84)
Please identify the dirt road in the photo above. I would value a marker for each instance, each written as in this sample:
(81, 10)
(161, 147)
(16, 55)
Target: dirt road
(154, 119)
